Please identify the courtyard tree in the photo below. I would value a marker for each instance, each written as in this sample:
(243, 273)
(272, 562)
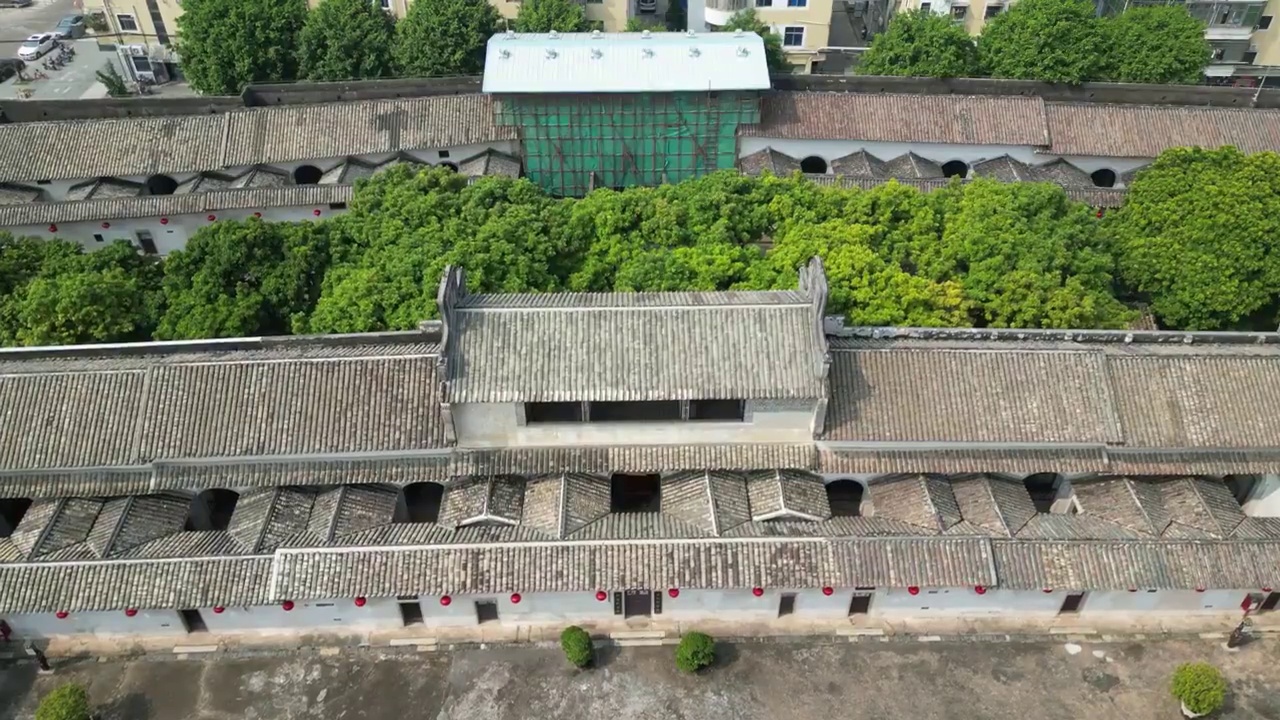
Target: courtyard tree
(542, 16)
(748, 21)
(1159, 44)
(1199, 237)
(695, 651)
(921, 43)
(67, 702)
(444, 37)
(246, 277)
(226, 44)
(345, 40)
(1057, 41)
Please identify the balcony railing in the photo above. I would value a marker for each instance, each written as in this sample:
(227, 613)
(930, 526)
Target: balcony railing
(732, 6)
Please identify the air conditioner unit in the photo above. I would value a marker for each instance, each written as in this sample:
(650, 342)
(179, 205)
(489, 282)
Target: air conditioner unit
(137, 50)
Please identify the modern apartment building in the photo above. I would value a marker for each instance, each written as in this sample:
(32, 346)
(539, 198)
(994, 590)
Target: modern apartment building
(803, 25)
(1244, 43)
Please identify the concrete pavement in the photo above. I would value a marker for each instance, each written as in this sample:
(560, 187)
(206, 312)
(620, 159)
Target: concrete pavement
(886, 680)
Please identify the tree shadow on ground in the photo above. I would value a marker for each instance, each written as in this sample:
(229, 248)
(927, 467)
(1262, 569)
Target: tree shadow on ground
(133, 706)
(726, 655)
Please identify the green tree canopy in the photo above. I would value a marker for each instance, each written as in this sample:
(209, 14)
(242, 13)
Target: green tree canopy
(68, 702)
(226, 44)
(921, 43)
(1058, 41)
(748, 21)
(444, 37)
(1155, 44)
(1199, 235)
(540, 16)
(345, 40)
(247, 277)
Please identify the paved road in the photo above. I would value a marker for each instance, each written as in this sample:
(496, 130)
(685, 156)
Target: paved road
(17, 23)
(899, 680)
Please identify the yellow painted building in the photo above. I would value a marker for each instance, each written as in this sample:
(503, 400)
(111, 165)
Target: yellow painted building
(803, 25)
(1242, 32)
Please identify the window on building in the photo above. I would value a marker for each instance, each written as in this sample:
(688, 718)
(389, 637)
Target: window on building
(1043, 489)
(793, 36)
(384, 4)
(813, 165)
(553, 412)
(955, 168)
(306, 175)
(97, 237)
(797, 3)
(1103, 178)
(635, 493)
(717, 410)
(212, 510)
(338, 206)
(1218, 53)
(443, 154)
(764, 3)
(1249, 56)
(161, 185)
(419, 503)
(11, 512)
(958, 12)
(925, 6)
(845, 498)
(147, 242)
(992, 11)
(128, 23)
(652, 411)
(1264, 22)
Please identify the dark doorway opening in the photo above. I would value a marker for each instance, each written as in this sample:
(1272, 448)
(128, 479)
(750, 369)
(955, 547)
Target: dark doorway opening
(193, 621)
(1071, 603)
(161, 185)
(147, 242)
(813, 165)
(307, 175)
(486, 611)
(1270, 603)
(11, 512)
(954, 168)
(860, 604)
(635, 493)
(1043, 489)
(845, 498)
(212, 510)
(787, 604)
(411, 613)
(419, 503)
(1103, 178)
(637, 603)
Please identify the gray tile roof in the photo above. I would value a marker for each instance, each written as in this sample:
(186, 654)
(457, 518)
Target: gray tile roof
(860, 164)
(485, 499)
(84, 483)
(646, 346)
(1006, 169)
(1089, 195)
(489, 163)
(999, 506)
(1133, 505)
(1144, 131)
(924, 501)
(104, 189)
(770, 161)
(15, 194)
(887, 117)
(787, 495)
(563, 503)
(1127, 564)
(715, 502)
(631, 458)
(182, 204)
(335, 471)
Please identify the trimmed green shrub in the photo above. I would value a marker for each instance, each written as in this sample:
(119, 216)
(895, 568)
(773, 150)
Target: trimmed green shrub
(1200, 687)
(69, 702)
(576, 644)
(695, 651)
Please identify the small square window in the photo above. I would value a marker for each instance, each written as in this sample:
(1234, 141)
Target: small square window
(797, 3)
(992, 11)
(128, 23)
(764, 3)
(385, 4)
(958, 12)
(444, 154)
(925, 7)
(98, 237)
(793, 36)
(1264, 22)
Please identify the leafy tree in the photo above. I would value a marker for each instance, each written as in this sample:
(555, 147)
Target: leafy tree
(226, 44)
(345, 40)
(695, 651)
(444, 37)
(748, 21)
(541, 16)
(112, 81)
(1057, 41)
(921, 43)
(243, 278)
(1159, 44)
(1199, 235)
(677, 17)
(639, 24)
(576, 644)
(1200, 687)
(68, 702)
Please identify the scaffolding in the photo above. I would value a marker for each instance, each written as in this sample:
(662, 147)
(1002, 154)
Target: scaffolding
(576, 143)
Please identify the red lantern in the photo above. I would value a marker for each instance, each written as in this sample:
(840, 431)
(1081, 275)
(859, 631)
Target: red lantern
(130, 612)
(218, 609)
(61, 614)
(164, 221)
(211, 218)
(1099, 212)
(1199, 589)
(287, 605)
(53, 228)
(827, 590)
(360, 602)
(257, 214)
(106, 225)
(1266, 590)
(1048, 590)
(316, 212)
(980, 589)
(674, 592)
(515, 598)
(913, 590)
(445, 600)
(1133, 589)
(757, 591)
(602, 595)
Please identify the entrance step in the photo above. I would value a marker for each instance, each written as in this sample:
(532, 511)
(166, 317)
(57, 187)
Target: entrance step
(638, 635)
(183, 649)
(641, 642)
(859, 632)
(408, 642)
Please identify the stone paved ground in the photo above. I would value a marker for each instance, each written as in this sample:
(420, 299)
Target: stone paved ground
(898, 680)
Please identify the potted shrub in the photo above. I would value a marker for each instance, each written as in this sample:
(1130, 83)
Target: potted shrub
(69, 702)
(576, 644)
(695, 651)
(1200, 688)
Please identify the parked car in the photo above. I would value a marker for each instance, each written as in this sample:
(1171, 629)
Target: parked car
(70, 27)
(15, 3)
(10, 67)
(36, 45)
